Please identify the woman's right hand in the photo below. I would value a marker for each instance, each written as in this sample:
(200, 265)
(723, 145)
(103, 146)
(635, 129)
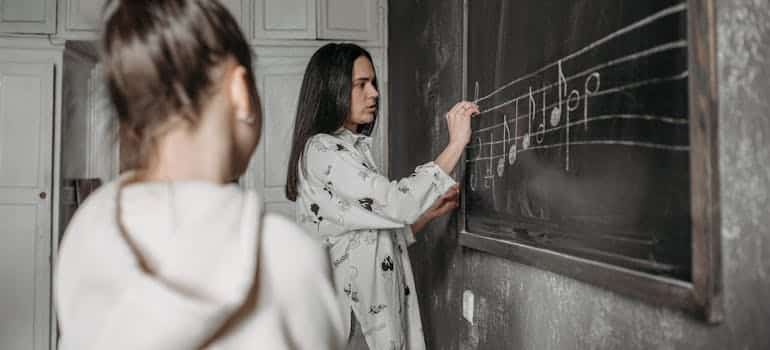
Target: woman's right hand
(458, 121)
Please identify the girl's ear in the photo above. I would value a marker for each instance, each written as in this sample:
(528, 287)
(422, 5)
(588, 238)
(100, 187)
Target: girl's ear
(239, 96)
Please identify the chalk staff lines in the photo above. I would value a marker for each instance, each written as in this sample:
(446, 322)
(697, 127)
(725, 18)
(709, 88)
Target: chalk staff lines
(513, 150)
(645, 53)
(566, 107)
(641, 23)
(667, 120)
(568, 102)
(588, 94)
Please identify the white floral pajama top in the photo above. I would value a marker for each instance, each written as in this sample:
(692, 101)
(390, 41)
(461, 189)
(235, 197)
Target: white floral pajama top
(363, 218)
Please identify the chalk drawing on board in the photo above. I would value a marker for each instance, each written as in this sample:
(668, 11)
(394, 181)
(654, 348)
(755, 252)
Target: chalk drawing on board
(626, 87)
(561, 113)
(572, 103)
(530, 114)
(541, 128)
(574, 96)
(513, 149)
(506, 137)
(562, 84)
(654, 118)
(673, 10)
(596, 78)
(489, 176)
(474, 176)
(556, 115)
(676, 45)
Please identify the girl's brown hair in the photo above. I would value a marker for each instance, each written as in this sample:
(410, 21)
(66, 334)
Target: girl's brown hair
(162, 58)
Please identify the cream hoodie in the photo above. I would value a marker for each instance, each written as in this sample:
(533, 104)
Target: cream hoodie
(222, 274)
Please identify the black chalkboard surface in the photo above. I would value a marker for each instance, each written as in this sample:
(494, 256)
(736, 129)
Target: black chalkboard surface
(583, 145)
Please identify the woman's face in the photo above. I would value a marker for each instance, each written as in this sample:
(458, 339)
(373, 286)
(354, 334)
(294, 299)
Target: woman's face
(364, 96)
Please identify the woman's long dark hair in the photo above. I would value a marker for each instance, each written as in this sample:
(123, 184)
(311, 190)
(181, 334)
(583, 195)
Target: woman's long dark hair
(324, 102)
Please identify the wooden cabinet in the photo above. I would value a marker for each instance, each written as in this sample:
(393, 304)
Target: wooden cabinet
(260, 20)
(284, 19)
(26, 131)
(80, 19)
(28, 16)
(349, 19)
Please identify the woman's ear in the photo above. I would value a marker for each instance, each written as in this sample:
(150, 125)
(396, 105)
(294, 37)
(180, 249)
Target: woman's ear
(240, 97)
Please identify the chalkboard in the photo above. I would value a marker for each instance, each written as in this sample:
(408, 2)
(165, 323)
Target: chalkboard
(583, 147)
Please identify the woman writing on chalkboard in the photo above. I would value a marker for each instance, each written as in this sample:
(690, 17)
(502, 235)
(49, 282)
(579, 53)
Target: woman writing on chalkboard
(173, 255)
(365, 220)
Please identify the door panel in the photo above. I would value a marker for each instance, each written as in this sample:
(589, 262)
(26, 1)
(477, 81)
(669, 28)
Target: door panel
(26, 100)
(349, 19)
(28, 16)
(284, 19)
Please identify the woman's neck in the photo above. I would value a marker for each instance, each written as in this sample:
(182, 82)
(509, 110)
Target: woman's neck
(353, 127)
(185, 155)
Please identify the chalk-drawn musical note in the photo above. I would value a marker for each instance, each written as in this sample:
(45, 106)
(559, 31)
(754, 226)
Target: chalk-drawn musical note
(556, 114)
(562, 83)
(490, 176)
(530, 114)
(513, 150)
(664, 13)
(474, 176)
(541, 128)
(565, 107)
(506, 136)
(574, 96)
(587, 93)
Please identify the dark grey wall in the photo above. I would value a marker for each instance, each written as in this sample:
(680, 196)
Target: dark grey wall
(520, 307)
(424, 53)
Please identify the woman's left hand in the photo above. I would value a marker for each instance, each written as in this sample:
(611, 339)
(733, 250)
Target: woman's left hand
(448, 202)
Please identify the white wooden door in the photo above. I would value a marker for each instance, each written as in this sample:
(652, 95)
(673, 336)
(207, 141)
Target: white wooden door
(284, 19)
(28, 16)
(26, 107)
(279, 80)
(349, 19)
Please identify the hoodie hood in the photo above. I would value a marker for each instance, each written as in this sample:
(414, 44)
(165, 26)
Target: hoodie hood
(198, 237)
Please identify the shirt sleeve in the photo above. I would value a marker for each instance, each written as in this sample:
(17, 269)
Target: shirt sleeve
(408, 235)
(359, 197)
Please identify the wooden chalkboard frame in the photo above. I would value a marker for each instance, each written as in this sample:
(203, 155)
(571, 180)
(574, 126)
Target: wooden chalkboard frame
(702, 297)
